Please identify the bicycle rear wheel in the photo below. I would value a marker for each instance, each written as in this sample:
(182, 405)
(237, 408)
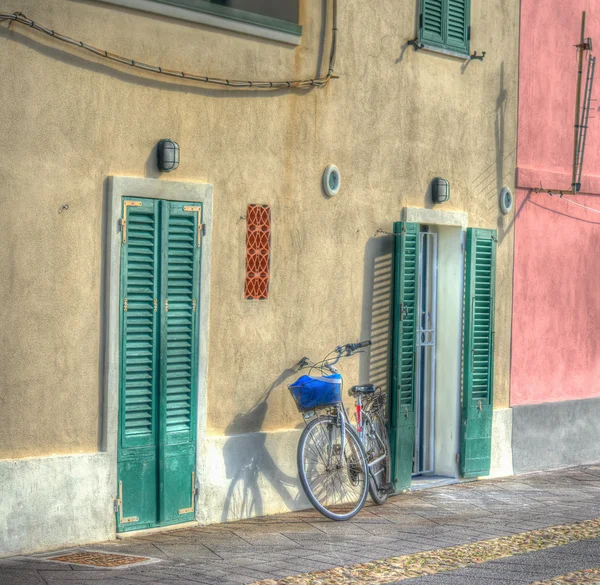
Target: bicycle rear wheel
(335, 482)
(377, 446)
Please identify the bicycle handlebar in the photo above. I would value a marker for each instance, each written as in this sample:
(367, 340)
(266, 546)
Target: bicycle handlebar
(342, 350)
(359, 345)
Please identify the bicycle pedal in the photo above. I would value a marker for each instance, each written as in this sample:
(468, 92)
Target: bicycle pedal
(387, 487)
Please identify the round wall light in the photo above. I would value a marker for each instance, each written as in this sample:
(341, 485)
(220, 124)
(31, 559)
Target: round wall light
(168, 155)
(440, 190)
(332, 181)
(506, 200)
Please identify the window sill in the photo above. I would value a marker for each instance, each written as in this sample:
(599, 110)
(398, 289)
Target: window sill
(254, 25)
(447, 52)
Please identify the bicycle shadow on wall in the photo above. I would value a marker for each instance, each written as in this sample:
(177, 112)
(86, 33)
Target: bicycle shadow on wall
(249, 466)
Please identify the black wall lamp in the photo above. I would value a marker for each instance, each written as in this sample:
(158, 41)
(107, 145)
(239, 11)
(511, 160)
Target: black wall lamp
(440, 190)
(168, 155)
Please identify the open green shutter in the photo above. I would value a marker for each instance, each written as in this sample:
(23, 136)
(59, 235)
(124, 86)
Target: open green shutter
(139, 362)
(432, 21)
(457, 25)
(181, 240)
(402, 395)
(478, 361)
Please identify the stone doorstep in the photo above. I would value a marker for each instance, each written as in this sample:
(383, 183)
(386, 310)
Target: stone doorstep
(150, 531)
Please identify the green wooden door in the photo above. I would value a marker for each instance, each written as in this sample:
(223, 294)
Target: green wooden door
(160, 263)
(478, 362)
(402, 395)
(181, 241)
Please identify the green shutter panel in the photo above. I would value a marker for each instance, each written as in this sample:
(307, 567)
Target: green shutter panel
(457, 25)
(432, 22)
(181, 240)
(402, 396)
(139, 362)
(478, 361)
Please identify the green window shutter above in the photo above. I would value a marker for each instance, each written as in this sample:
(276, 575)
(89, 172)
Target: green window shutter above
(139, 288)
(402, 396)
(444, 24)
(432, 21)
(457, 25)
(478, 362)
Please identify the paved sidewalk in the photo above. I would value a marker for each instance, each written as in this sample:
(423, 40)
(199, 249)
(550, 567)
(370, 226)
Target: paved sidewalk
(506, 518)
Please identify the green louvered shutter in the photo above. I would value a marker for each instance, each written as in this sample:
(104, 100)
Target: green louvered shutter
(445, 24)
(457, 25)
(139, 362)
(181, 241)
(478, 360)
(432, 21)
(402, 396)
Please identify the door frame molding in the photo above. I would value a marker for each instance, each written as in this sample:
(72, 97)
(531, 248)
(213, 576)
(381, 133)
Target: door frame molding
(119, 187)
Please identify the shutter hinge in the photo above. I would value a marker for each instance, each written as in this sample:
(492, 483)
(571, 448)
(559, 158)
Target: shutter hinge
(197, 209)
(193, 305)
(155, 305)
(421, 20)
(495, 239)
(468, 33)
(194, 491)
(166, 305)
(125, 305)
(403, 311)
(119, 508)
(127, 204)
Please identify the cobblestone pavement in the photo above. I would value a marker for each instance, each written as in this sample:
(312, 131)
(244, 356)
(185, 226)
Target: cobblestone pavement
(540, 528)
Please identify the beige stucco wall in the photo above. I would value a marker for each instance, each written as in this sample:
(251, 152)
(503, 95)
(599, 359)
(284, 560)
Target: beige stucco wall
(392, 121)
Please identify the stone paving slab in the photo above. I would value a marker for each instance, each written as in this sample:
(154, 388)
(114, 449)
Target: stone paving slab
(280, 546)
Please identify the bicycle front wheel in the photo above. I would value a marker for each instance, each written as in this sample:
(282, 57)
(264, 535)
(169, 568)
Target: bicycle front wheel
(333, 472)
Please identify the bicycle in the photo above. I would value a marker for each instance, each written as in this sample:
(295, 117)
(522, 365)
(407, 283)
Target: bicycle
(339, 464)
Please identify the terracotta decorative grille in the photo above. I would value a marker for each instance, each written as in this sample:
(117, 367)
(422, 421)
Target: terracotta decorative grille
(258, 250)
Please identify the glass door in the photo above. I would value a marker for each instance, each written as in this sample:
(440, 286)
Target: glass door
(424, 455)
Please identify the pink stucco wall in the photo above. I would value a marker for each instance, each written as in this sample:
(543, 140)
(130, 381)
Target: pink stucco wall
(556, 311)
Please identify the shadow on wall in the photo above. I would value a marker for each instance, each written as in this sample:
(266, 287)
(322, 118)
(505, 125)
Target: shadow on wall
(247, 458)
(375, 365)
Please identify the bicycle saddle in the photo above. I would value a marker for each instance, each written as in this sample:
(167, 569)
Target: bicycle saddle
(364, 389)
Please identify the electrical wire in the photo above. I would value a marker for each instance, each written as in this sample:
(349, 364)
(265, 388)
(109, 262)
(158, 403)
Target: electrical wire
(563, 198)
(20, 18)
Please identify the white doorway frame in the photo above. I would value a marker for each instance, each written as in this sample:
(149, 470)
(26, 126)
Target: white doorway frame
(118, 188)
(450, 227)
